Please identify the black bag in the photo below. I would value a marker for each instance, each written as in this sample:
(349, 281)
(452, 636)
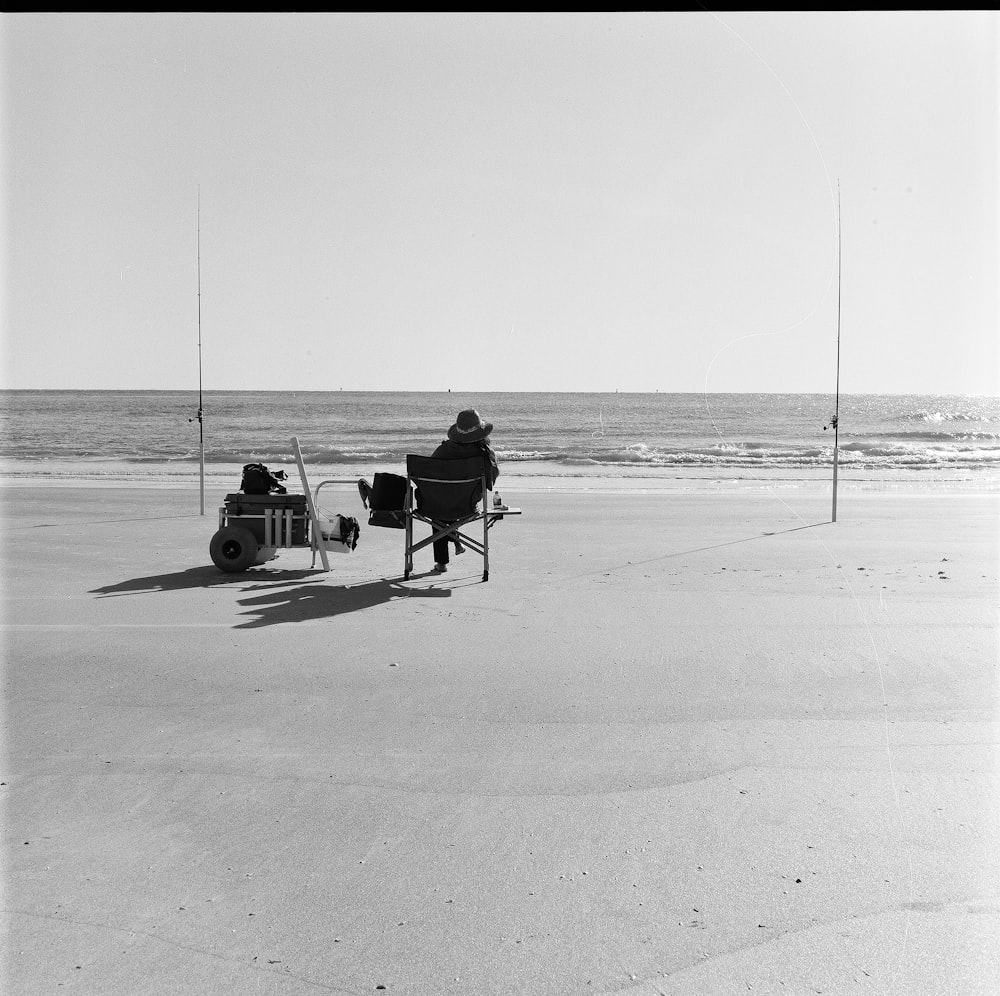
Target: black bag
(388, 493)
(386, 498)
(258, 480)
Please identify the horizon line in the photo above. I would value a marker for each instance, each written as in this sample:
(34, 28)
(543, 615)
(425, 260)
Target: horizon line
(462, 391)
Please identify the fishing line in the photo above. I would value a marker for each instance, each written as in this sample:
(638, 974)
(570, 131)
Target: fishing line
(599, 432)
(835, 269)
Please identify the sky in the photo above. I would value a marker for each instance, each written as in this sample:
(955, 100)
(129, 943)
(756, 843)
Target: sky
(599, 201)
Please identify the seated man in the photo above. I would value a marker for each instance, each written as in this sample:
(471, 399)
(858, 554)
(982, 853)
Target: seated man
(466, 437)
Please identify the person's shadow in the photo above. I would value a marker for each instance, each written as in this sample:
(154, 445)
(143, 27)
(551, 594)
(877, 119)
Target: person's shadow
(284, 596)
(305, 602)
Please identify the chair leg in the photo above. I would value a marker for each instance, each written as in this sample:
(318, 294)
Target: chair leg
(408, 538)
(486, 535)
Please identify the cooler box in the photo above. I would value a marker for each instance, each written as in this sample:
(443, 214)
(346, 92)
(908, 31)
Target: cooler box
(250, 509)
(339, 532)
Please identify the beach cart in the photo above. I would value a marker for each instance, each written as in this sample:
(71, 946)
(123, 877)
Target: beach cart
(253, 528)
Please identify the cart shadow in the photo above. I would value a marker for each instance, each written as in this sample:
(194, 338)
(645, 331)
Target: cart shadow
(195, 577)
(312, 601)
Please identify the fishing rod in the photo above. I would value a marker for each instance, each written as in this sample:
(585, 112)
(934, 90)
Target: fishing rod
(201, 409)
(835, 420)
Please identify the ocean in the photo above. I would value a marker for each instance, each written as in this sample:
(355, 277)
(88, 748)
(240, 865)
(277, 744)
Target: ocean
(152, 437)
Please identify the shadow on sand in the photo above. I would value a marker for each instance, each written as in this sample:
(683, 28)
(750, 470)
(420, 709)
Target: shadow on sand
(305, 602)
(194, 577)
(277, 596)
(700, 549)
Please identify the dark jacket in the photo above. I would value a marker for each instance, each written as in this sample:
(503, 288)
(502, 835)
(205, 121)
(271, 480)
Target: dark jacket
(461, 451)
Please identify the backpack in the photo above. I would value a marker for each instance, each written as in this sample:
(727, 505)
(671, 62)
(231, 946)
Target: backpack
(258, 480)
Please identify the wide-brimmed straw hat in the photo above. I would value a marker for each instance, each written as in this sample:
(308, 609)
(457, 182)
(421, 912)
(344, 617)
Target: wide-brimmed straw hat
(469, 427)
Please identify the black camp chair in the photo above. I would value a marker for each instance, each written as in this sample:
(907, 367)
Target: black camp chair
(441, 493)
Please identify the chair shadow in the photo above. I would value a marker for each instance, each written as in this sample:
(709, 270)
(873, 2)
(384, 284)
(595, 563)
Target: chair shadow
(308, 602)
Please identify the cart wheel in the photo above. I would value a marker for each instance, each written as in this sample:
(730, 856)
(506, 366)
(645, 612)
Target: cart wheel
(233, 549)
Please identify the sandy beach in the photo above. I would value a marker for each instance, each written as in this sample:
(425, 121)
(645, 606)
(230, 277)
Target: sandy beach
(684, 742)
(676, 271)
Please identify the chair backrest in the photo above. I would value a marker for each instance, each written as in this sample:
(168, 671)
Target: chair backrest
(447, 489)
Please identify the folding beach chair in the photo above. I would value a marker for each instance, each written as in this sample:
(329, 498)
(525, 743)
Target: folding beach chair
(440, 493)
